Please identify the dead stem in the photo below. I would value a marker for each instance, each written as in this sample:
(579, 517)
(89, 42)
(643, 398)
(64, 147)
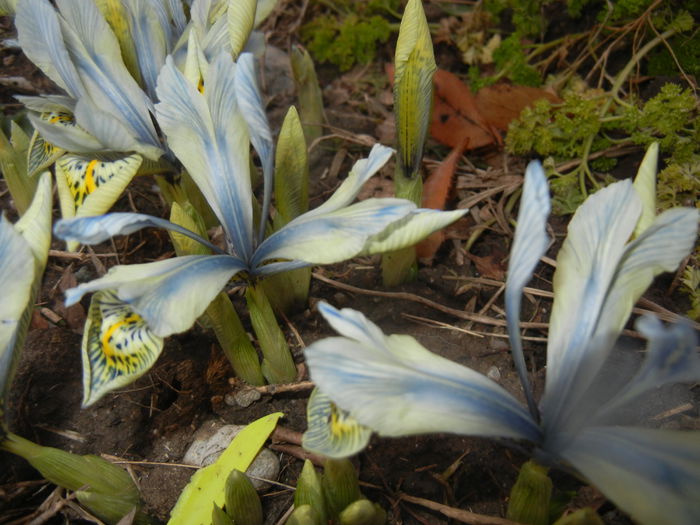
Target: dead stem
(463, 516)
(405, 296)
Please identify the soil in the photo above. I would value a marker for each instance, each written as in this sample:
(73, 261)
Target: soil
(151, 422)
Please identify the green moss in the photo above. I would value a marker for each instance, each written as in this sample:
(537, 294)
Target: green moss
(525, 15)
(351, 35)
(686, 51)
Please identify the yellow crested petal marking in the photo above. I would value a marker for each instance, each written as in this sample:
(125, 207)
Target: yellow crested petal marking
(84, 175)
(340, 424)
(107, 346)
(331, 431)
(59, 117)
(118, 346)
(90, 185)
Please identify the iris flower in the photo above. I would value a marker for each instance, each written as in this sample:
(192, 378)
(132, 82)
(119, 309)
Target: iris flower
(614, 248)
(106, 58)
(210, 132)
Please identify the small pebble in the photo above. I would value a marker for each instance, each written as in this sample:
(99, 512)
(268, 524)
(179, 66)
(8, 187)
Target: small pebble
(494, 373)
(245, 398)
(212, 438)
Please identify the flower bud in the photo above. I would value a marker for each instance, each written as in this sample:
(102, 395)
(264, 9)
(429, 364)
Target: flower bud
(529, 497)
(242, 502)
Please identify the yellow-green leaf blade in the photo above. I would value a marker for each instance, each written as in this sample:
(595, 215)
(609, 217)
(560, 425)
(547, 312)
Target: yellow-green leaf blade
(208, 484)
(291, 169)
(645, 184)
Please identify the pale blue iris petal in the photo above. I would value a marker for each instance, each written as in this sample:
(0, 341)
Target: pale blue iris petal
(413, 228)
(586, 266)
(171, 294)
(48, 103)
(150, 30)
(183, 115)
(95, 52)
(70, 138)
(176, 9)
(353, 325)
(41, 39)
(216, 40)
(210, 137)
(653, 475)
(361, 171)
(199, 13)
(111, 132)
(332, 237)
(278, 267)
(664, 243)
(94, 230)
(529, 244)
(16, 278)
(397, 387)
(670, 358)
(232, 138)
(253, 110)
(661, 247)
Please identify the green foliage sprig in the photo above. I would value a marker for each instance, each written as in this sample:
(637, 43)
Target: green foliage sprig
(561, 130)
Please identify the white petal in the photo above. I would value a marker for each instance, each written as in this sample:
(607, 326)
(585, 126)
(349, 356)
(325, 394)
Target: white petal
(67, 136)
(660, 248)
(41, 39)
(253, 111)
(150, 30)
